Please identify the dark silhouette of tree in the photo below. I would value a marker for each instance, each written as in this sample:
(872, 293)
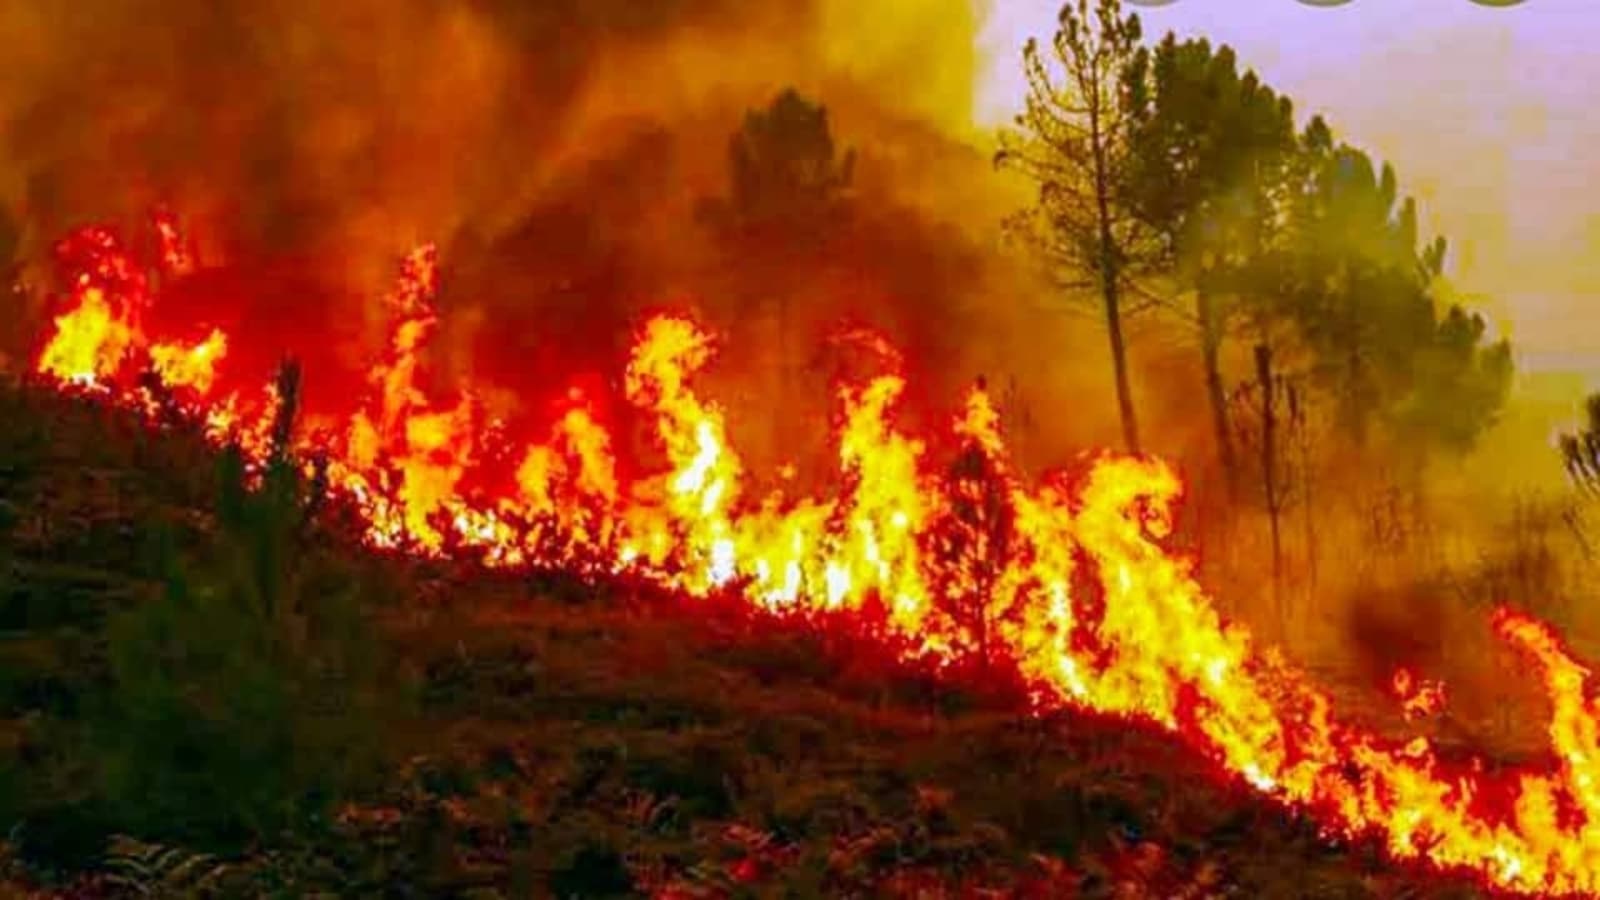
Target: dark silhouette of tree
(10, 240)
(786, 178)
(969, 546)
(1580, 450)
(1210, 147)
(1269, 416)
(788, 194)
(1075, 140)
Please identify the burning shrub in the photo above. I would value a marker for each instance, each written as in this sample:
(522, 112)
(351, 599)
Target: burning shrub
(970, 547)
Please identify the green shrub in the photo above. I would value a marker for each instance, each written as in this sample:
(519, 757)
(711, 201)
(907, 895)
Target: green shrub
(250, 696)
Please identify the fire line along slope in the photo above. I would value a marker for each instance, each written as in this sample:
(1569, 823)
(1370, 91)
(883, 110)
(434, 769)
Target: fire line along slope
(1067, 585)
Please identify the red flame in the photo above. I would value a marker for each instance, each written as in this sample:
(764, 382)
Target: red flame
(1418, 698)
(1150, 644)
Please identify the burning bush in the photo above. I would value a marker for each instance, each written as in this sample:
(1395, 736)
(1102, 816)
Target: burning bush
(971, 544)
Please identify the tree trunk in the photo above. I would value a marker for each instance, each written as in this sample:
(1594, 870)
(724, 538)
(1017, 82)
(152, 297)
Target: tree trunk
(1119, 363)
(1109, 286)
(1269, 469)
(1356, 399)
(1308, 482)
(1210, 353)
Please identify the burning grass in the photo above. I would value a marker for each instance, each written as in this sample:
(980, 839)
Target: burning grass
(547, 735)
(1069, 583)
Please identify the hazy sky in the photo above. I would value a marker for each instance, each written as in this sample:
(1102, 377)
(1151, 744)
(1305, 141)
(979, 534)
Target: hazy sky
(1487, 114)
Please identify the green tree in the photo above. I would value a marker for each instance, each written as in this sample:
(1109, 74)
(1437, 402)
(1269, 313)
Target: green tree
(1364, 298)
(1358, 279)
(1456, 387)
(249, 696)
(1074, 139)
(1211, 146)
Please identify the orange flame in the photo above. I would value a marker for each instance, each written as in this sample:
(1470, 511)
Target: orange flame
(1418, 698)
(1070, 577)
(192, 367)
(89, 343)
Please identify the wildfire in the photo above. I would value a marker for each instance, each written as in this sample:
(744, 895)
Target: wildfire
(193, 367)
(90, 340)
(1068, 577)
(1418, 698)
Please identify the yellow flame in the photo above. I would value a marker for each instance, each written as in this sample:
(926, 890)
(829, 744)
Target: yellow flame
(89, 342)
(1085, 597)
(192, 367)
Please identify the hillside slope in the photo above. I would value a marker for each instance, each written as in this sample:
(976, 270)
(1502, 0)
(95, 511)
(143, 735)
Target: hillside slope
(199, 695)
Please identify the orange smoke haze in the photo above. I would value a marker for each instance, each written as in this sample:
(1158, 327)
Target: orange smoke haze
(556, 153)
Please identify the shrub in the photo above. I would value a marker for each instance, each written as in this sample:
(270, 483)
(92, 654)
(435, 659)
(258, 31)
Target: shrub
(249, 695)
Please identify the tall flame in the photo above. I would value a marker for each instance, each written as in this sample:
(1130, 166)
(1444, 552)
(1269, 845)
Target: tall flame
(90, 340)
(1069, 577)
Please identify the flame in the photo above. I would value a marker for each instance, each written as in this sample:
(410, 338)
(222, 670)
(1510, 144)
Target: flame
(1418, 698)
(1070, 578)
(193, 367)
(89, 343)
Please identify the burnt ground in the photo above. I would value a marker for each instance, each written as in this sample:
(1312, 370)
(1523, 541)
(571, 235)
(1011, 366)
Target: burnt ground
(197, 701)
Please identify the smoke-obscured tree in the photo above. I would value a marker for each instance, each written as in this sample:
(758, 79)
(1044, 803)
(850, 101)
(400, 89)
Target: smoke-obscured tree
(788, 192)
(1270, 419)
(1074, 139)
(787, 179)
(1357, 283)
(1580, 449)
(1458, 384)
(1209, 148)
(1365, 300)
(10, 241)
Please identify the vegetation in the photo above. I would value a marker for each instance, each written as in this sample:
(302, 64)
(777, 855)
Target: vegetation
(209, 673)
(1076, 140)
(969, 549)
(207, 687)
(181, 719)
(784, 172)
(1163, 172)
(1209, 146)
(1329, 345)
(788, 200)
(1580, 449)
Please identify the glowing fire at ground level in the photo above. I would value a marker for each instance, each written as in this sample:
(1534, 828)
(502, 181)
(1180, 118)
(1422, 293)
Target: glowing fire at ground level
(1067, 578)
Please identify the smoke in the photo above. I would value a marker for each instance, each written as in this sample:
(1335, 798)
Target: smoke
(290, 125)
(293, 126)
(556, 151)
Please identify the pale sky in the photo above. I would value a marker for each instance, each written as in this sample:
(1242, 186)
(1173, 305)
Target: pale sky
(1486, 113)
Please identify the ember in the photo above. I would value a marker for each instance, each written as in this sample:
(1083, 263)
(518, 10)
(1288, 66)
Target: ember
(1151, 645)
